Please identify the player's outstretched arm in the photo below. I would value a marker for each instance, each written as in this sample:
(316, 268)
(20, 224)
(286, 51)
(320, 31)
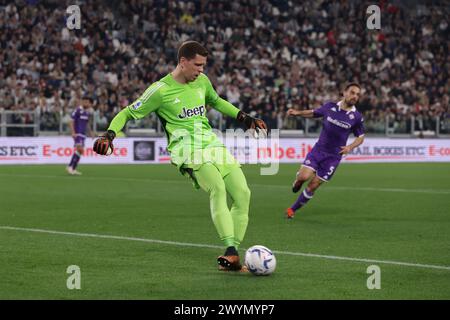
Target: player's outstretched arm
(148, 102)
(104, 144)
(224, 107)
(300, 113)
(228, 109)
(120, 120)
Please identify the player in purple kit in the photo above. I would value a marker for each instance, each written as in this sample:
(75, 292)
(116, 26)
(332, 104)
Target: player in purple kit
(339, 120)
(78, 126)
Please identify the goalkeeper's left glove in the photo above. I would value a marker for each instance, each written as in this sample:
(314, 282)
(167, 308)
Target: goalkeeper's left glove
(252, 123)
(103, 145)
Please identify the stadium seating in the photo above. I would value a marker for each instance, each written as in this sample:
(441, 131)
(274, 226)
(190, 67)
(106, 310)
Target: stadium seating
(272, 56)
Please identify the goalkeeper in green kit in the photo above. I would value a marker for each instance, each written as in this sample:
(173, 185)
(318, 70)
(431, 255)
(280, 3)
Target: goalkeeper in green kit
(179, 99)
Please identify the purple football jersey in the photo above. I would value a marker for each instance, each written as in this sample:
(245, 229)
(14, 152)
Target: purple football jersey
(337, 124)
(80, 118)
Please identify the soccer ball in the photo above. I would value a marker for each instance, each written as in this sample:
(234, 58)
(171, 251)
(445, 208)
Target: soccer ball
(260, 260)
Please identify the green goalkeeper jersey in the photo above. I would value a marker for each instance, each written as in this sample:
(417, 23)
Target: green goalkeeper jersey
(182, 111)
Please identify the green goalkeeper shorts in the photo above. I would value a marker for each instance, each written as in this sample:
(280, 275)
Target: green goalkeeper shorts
(220, 157)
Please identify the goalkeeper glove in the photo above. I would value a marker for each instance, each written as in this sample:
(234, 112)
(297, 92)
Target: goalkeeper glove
(252, 123)
(103, 145)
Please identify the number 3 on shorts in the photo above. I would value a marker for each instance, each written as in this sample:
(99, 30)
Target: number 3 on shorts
(331, 171)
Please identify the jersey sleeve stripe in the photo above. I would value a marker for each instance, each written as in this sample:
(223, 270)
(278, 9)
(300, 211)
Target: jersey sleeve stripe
(149, 93)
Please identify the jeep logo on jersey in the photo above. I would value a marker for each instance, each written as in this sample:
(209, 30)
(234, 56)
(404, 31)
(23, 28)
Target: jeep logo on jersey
(196, 111)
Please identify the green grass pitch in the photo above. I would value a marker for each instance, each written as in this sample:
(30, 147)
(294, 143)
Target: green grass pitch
(385, 212)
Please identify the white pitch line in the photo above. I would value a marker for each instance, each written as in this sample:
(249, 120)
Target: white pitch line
(106, 236)
(199, 245)
(287, 187)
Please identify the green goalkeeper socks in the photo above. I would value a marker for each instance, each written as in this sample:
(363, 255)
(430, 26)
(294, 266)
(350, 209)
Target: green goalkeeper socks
(230, 224)
(237, 188)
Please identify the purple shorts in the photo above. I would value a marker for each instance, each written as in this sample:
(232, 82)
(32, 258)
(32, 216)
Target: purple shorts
(323, 163)
(79, 140)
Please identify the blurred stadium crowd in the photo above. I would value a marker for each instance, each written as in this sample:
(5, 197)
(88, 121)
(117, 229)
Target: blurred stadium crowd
(266, 56)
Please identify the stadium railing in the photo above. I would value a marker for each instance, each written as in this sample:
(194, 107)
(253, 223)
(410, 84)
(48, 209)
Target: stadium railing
(39, 123)
(19, 122)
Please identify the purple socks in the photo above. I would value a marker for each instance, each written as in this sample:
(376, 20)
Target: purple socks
(74, 160)
(302, 199)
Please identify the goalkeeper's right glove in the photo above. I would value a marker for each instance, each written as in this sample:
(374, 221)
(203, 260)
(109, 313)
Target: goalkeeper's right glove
(103, 145)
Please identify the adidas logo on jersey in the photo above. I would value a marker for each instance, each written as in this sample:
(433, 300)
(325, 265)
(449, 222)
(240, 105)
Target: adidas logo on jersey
(196, 111)
(176, 100)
